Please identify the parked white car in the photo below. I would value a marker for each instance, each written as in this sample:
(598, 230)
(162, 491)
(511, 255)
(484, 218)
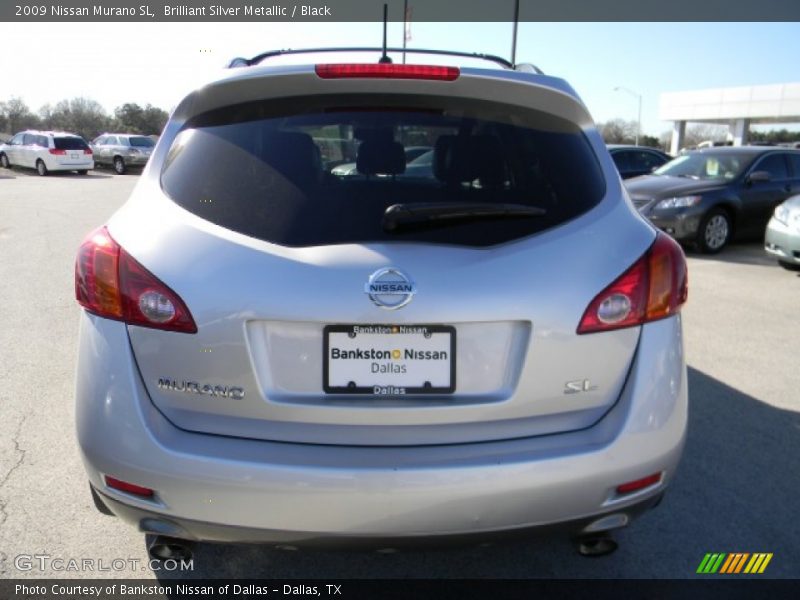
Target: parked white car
(47, 151)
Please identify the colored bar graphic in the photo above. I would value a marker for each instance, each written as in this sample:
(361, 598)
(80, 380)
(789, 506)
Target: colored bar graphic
(754, 562)
(728, 563)
(765, 563)
(711, 563)
(734, 563)
(716, 565)
(704, 563)
(741, 562)
(737, 563)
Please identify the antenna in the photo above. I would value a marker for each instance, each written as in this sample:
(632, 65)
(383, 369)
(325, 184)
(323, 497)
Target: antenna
(385, 58)
(514, 39)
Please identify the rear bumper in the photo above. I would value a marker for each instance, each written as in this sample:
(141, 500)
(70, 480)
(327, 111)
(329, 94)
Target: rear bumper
(136, 161)
(218, 488)
(81, 164)
(782, 243)
(148, 521)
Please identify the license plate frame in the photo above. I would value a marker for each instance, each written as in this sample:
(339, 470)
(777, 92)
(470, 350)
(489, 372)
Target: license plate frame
(387, 387)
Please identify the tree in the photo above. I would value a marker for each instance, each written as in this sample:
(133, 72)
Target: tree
(649, 141)
(128, 117)
(132, 118)
(702, 132)
(79, 115)
(774, 136)
(83, 116)
(16, 116)
(154, 120)
(618, 131)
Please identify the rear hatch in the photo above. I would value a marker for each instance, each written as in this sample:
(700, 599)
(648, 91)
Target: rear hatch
(71, 151)
(384, 307)
(140, 147)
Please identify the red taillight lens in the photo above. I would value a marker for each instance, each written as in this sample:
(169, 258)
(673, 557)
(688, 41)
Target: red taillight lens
(130, 488)
(97, 275)
(87, 151)
(639, 484)
(56, 151)
(655, 287)
(387, 71)
(110, 283)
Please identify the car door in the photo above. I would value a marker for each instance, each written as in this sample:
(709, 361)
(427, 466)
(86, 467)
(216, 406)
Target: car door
(27, 151)
(621, 160)
(97, 148)
(109, 149)
(642, 162)
(42, 148)
(794, 163)
(12, 150)
(759, 198)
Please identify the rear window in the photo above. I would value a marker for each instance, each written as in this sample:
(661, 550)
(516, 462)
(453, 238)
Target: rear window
(268, 169)
(141, 142)
(69, 143)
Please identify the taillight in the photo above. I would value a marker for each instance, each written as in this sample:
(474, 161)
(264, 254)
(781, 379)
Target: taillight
(87, 151)
(111, 284)
(387, 71)
(56, 151)
(655, 287)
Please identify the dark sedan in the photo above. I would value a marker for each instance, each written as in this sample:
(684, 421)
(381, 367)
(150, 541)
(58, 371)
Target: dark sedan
(708, 197)
(633, 161)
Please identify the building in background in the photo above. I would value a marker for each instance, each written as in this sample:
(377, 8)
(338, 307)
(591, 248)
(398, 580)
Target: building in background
(736, 107)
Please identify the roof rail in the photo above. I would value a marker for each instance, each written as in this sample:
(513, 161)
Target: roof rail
(246, 62)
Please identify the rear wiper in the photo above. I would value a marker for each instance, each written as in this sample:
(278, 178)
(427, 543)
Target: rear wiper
(398, 215)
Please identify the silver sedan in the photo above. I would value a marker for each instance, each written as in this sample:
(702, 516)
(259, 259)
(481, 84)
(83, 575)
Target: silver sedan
(782, 238)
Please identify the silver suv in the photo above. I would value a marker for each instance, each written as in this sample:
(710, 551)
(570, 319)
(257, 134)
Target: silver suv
(273, 352)
(122, 150)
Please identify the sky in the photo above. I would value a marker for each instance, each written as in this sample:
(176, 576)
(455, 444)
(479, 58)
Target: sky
(158, 63)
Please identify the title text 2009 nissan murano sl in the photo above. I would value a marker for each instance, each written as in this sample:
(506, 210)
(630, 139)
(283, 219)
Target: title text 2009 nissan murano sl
(273, 352)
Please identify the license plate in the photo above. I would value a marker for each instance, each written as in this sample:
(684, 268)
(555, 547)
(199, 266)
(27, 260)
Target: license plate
(73, 155)
(389, 360)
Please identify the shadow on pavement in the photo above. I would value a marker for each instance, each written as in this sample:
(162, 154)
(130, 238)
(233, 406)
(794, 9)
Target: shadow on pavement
(751, 253)
(736, 491)
(92, 174)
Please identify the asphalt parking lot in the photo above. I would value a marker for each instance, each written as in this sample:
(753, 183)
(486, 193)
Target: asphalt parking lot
(736, 491)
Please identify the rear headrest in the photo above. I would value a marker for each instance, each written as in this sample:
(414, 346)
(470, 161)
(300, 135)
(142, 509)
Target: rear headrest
(457, 159)
(380, 156)
(294, 154)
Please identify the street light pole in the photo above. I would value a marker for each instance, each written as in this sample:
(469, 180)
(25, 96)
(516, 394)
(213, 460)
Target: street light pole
(638, 96)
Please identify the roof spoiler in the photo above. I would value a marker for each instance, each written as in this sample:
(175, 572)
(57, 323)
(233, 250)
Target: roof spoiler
(248, 62)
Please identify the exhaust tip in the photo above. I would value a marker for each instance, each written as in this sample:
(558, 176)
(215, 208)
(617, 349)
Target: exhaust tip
(166, 548)
(596, 545)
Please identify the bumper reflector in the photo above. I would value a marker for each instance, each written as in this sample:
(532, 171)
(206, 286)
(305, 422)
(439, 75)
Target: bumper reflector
(639, 484)
(130, 488)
